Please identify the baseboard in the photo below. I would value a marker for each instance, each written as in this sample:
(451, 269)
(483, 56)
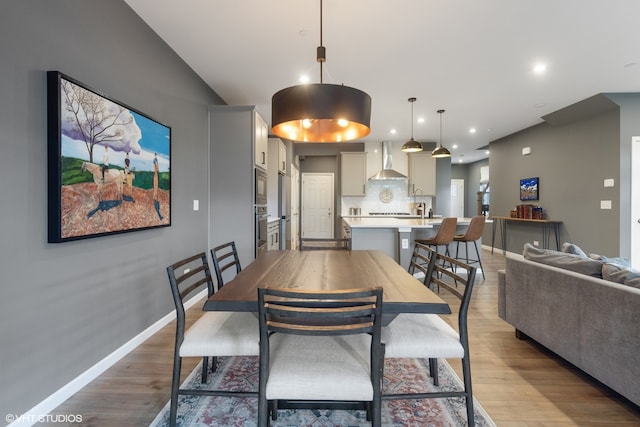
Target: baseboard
(43, 408)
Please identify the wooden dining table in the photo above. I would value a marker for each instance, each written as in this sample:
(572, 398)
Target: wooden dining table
(328, 270)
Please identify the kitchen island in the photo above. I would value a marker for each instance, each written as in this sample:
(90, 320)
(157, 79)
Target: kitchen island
(396, 236)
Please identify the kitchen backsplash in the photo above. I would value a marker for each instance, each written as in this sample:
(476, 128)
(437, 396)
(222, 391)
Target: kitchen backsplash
(384, 196)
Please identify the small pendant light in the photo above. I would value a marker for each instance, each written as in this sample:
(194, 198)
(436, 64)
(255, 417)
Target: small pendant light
(412, 146)
(440, 152)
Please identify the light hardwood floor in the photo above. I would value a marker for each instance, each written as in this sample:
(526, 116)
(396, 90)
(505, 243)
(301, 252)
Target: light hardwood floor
(519, 383)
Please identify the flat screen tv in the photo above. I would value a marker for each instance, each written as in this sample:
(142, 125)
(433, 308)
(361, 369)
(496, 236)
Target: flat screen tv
(529, 188)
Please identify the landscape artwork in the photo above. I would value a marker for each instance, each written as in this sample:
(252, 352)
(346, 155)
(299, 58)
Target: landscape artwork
(109, 166)
(529, 189)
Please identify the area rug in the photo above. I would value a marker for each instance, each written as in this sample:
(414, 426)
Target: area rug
(401, 375)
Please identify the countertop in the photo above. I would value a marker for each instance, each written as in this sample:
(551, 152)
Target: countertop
(385, 222)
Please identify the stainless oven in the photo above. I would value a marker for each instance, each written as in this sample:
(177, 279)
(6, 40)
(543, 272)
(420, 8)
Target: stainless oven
(261, 188)
(261, 229)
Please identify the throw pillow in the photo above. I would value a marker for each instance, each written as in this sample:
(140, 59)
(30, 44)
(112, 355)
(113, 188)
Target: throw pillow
(574, 249)
(579, 264)
(618, 274)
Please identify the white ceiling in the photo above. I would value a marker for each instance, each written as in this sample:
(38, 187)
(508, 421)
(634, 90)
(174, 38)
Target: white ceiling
(473, 58)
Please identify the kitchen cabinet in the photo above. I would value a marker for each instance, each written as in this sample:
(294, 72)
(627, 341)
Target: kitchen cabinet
(353, 173)
(273, 235)
(422, 173)
(261, 141)
(282, 158)
(233, 140)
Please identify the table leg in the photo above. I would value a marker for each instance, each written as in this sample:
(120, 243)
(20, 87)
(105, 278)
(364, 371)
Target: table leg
(504, 236)
(493, 234)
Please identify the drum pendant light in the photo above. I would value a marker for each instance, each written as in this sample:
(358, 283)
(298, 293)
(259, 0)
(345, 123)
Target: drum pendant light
(411, 146)
(320, 112)
(440, 152)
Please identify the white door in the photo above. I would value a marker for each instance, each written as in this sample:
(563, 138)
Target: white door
(295, 207)
(457, 198)
(635, 201)
(317, 205)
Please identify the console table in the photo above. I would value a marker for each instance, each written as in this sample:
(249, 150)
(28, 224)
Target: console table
(547, 224)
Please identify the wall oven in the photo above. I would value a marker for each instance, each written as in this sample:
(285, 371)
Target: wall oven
(261, 230)
(261, 188)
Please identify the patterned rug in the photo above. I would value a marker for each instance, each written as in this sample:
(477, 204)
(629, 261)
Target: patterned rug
(401, 375)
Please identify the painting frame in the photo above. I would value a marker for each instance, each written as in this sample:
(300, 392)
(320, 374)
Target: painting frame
(529, 189)
(108, 165)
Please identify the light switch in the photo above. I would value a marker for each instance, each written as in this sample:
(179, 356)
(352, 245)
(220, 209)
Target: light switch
(196, 205)
(610, 182)
(605, 204)
(526, 151)
(405, 243)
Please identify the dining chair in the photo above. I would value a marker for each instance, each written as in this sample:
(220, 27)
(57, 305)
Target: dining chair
(472, 234)
(224, 257)
(428, 336)
(215, 333)
(310, 244)
(321, 350)
(419, 263)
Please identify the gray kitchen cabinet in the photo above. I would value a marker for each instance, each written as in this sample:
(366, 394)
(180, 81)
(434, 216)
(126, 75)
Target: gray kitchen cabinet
(353, 173)
(233, 137)
(422, 173)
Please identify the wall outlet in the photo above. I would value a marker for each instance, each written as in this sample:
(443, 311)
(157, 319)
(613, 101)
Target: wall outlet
(605, 204)
(526, 151)
(405, 243)
(536, 243)
(609, 182)
(196, 205)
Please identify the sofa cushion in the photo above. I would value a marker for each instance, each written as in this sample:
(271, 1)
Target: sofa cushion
(572, 248)
(625, 275)
(568, 261)
(620, 261)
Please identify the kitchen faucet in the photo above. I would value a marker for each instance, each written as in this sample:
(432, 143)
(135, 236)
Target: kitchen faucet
(421, 203)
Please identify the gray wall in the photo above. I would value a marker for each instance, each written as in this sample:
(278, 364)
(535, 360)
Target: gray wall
(572, 157)
(66, 306)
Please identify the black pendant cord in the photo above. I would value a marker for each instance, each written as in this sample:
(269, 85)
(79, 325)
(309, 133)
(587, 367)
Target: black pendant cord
(321, 50)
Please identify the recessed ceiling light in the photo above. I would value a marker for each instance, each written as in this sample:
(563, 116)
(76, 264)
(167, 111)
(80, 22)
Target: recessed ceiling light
(393, 131)
(540, 68)
(472, 130)
(420, 119)
(539, 105)
(454, 146)
(486, 152)
(304, 78)
(460, 161)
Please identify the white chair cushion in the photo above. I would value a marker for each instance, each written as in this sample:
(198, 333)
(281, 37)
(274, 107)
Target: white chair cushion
(421, 336)
(320, 368)
(222, 333)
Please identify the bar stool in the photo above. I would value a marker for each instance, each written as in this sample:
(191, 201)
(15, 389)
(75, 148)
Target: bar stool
(473, 233)
(444, 236)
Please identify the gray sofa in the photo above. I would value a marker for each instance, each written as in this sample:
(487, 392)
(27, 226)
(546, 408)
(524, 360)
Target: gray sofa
(592, 323)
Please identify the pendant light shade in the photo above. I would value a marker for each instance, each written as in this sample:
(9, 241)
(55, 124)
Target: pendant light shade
(440, 152)
(411, 146)
(321, 112)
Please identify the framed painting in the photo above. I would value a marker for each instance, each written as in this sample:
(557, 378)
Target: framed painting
(109, 166)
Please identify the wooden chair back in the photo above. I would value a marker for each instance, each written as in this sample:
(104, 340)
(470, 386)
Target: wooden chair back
(224, 257)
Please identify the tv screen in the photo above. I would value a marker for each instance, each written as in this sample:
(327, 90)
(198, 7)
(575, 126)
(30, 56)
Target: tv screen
(529, 188)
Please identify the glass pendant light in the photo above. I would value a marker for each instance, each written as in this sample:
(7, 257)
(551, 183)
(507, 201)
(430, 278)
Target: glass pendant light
(411, 146)
(440, 152)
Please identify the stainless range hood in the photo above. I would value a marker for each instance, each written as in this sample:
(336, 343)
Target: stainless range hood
(387, 172)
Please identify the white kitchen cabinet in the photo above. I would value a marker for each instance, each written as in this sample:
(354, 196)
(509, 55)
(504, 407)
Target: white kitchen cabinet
(353, 172)
(273, 235)
(282, 158)
(261, 141)
(422, 173)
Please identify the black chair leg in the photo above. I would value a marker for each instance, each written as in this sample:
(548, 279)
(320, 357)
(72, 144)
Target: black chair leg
(466, 373)
(475, 244)
(433, 371)
(205, 366)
